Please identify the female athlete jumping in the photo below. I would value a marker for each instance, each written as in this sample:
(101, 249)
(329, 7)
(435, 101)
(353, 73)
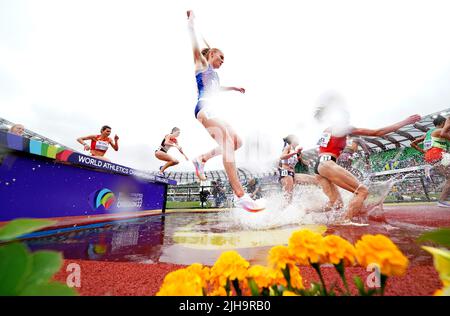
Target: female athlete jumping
(161, 153)
(100, 143)
(206, 62)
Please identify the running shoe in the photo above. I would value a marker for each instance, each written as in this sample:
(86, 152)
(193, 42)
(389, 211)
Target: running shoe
(443, 204)
(199, 169)
(245, 202)
(161, 174)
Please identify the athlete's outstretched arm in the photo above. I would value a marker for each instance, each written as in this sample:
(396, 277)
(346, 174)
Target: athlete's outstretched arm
(285, 154)
(241, 90)
(385, 130)
(82, 139)
(170, 143)
(416, 142)
(181, 151)
(199, 60)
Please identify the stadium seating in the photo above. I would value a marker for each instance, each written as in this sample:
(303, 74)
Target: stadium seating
(384, 160)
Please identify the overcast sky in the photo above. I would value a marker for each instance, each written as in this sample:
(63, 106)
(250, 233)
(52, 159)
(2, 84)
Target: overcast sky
(69, 67)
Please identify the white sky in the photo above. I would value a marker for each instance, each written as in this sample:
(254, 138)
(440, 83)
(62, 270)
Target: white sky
(69, 67)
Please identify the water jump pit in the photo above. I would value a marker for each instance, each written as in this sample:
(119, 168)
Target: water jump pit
(131, 257)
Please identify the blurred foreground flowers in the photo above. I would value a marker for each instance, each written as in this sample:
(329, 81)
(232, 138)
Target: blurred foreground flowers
(233, 275)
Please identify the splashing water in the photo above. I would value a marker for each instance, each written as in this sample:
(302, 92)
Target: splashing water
(306, 208)
(379, 190)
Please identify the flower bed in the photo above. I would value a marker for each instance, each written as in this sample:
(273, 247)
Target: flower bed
(233, 275)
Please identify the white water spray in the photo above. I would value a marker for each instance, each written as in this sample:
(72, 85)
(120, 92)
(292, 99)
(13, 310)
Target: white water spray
(306, 208)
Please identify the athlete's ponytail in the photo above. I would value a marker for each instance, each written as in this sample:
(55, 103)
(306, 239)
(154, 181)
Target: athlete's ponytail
(205, 51)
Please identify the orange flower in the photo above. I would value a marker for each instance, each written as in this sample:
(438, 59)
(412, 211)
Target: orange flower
(280, 256)
(201, 271)
(181, 283)
(306, 246)
(381, 251)
(337, 249)
(265, 277)
(439, 292)
(296, 278)
(220, 291)
(230, 265)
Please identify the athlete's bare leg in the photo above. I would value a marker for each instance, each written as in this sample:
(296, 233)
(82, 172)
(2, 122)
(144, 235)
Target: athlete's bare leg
(344, 179)
(331, 191)
(288, 188)
(228, 142)
(170, 161)
(301, 178)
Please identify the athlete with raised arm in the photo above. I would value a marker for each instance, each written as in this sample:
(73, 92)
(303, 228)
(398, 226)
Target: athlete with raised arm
(331, 175)
(207, 61)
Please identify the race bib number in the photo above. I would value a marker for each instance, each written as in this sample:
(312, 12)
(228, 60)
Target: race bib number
(284, 173)
(324, 140)
(101, 145)
(427, 144)
(325, 158)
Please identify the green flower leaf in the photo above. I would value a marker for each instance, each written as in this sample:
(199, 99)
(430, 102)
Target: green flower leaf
(440, 236)
(267, 292)
(236, 287)
(287, 275)
(45, 265)
(316, 289)
(228, 287)
(253, 287)
(20, 227)
(372, 292)
(49, 289)
(15, 266)
(274, 290)
(360, 286)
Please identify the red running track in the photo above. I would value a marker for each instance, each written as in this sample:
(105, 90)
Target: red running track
(127, 278)
(424, 215)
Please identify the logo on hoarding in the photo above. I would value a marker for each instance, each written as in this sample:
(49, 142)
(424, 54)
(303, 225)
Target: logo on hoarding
(105, 198)
(130, 200)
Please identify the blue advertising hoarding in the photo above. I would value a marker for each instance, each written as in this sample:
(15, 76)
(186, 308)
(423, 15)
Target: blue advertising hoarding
(38, 181)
